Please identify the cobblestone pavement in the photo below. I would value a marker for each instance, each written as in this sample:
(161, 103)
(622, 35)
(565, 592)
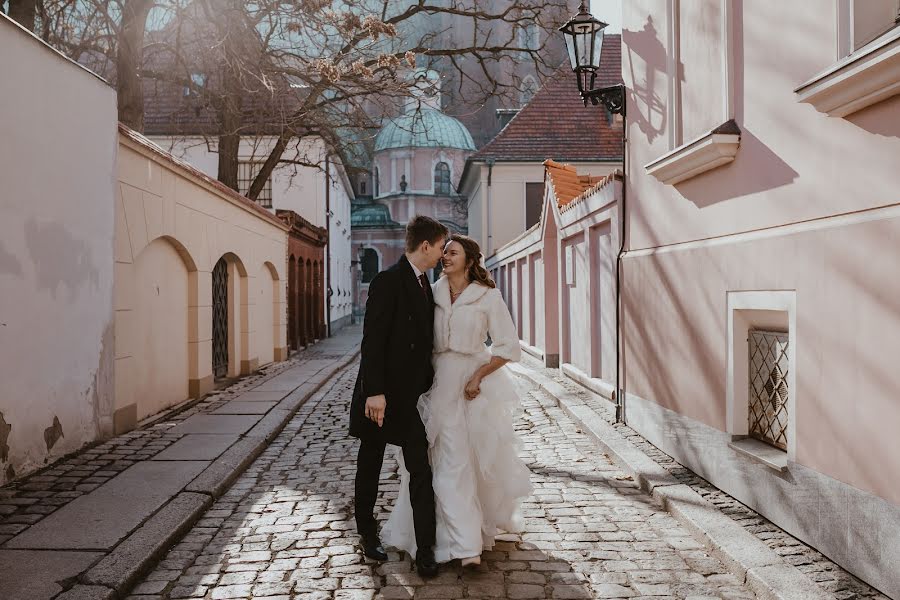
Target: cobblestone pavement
(814, 564)
(285, 529)
(28, 500)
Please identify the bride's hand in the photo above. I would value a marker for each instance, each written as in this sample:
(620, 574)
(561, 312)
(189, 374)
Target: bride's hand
(473, 388)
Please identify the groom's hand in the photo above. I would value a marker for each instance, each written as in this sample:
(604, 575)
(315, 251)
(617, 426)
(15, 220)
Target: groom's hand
(375, 406)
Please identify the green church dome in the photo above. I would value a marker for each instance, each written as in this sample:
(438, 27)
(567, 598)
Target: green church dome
(368, 213)
(425, 128)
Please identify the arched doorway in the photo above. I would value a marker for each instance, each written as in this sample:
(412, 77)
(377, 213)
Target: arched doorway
(220, 319)
(159, 339)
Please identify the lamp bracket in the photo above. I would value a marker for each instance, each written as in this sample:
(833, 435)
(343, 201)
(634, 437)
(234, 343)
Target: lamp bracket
(612, 98)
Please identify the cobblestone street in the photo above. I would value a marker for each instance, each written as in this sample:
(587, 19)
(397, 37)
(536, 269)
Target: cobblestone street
(285, 530)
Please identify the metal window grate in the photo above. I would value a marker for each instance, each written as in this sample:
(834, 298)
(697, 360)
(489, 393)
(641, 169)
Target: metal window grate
(247, 172)
(220, 319)
(769, 367)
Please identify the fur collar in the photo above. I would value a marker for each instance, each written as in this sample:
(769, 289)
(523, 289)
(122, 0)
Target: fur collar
(473, 293)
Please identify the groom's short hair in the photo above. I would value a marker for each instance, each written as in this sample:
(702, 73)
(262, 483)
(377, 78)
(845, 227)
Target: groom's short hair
(424, 229)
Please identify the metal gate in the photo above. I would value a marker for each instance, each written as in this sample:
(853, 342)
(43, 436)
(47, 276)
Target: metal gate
(220, 319)
(769, 391)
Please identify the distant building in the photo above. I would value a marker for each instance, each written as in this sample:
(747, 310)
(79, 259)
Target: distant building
(418, 155)
(504, 180)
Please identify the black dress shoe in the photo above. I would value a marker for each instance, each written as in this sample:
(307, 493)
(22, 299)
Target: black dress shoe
(372, 548)
(425, 563)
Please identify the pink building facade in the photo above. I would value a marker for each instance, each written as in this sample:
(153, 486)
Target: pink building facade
(760, 303)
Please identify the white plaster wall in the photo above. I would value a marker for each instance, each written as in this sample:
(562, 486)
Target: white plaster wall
(297, 188)
(57, 165)
(340, 247)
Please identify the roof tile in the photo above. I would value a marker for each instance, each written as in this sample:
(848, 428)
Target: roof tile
(556, 124)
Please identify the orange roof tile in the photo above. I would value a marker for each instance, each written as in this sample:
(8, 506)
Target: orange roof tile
(567, 183)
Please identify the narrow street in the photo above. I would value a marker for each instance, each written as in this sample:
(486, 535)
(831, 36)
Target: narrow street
(284, 529)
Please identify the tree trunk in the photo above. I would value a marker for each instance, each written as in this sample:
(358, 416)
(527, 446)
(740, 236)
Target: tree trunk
(129, 61)
(267, 167)
(23, 12)
(230, 140)
(231, 106)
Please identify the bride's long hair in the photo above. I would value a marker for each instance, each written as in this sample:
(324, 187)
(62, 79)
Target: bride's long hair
(475, 270)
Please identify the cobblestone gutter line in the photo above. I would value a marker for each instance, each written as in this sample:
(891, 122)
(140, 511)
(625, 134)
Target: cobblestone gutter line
(827, 575)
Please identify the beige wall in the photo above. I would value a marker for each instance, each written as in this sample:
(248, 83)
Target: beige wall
(172, 226)
(301, 189)
(57, 157)
(497, 212)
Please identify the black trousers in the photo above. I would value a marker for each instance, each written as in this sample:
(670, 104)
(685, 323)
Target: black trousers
(421, 494)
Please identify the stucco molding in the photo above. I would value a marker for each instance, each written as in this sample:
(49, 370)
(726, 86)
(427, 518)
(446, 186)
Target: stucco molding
(716, 148)
(866, 77)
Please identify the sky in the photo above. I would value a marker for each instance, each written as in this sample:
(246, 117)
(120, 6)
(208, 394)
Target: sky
(608, 11)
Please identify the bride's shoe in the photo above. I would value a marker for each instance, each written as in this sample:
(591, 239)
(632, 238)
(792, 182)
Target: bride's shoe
(472, 561)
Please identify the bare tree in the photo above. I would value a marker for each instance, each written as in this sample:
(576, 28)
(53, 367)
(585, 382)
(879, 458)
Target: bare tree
(287, 70)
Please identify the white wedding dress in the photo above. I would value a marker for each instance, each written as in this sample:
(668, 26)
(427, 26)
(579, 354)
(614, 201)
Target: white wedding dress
(479, 480)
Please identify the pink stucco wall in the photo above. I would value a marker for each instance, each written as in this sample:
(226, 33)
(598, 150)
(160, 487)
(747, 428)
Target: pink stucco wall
(809, 205)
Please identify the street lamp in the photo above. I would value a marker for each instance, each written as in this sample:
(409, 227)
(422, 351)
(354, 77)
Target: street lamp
(584, 41)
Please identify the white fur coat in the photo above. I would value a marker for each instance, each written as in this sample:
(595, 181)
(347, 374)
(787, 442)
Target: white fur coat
(464, 325)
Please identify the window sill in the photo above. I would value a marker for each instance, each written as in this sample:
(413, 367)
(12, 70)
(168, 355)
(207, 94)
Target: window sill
(770, 456)
(713, 150)
(866, 77)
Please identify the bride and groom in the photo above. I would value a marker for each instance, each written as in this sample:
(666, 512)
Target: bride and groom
(428, 384)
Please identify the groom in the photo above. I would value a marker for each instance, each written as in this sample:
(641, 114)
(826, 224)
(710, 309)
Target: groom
(395, 368)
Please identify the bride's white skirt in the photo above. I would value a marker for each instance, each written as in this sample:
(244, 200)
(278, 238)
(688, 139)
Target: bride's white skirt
(478, 478)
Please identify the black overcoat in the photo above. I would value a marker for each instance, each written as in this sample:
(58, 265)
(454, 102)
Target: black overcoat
(398, 337)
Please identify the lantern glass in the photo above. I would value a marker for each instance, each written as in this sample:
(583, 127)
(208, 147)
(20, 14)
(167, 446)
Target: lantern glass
(584, 40)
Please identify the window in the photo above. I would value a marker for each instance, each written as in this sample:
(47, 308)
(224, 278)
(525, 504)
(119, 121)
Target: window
(375, 183)
(198, 79)
(247, 172)
(871, 19)
(369, 262)
(442, 178)
(529, 36)
(534, 203)
(529, 89)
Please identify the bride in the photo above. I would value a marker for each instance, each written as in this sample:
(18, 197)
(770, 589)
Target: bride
(478, 478)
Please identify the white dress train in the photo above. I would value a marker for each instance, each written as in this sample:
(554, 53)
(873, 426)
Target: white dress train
(479, 480)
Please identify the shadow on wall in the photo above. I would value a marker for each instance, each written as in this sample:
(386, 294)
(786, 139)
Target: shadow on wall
(880, 119)
(768, 170)
(649, 113)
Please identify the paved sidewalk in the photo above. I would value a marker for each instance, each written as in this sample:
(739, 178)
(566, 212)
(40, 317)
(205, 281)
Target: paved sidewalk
(285, 529)
(89, 525)
(732, 530)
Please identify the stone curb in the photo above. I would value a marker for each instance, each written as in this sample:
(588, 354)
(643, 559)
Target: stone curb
(87, 592)
(116, 573)
(120, 568)
(747, 557)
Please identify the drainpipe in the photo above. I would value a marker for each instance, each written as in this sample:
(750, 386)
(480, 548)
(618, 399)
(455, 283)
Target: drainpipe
(620, 391)
(490, 237)
(328, 246)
